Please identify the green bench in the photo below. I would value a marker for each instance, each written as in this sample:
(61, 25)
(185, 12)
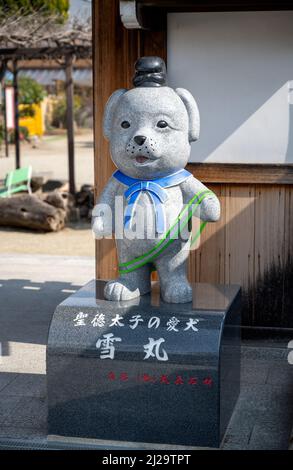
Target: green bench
(17, 181)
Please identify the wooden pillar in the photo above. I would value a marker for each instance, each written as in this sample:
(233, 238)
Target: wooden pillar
(5, 123)
(115, 51)
(69, 122)
(16, 115)
(4, 115)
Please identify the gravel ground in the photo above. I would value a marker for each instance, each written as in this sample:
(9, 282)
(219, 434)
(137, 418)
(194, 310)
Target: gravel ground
(50, 158)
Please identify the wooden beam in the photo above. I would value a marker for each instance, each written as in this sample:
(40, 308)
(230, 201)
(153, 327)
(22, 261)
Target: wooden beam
(70, 122)
(152, 13)
(242, 173)
(48, 53)
(216, 5)
(51, 64)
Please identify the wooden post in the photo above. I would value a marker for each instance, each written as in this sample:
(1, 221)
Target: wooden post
(4, 112)
(16, 115)
(115, 51)
(4, 116)
(69, 122)
(3, 97)
(5, 122)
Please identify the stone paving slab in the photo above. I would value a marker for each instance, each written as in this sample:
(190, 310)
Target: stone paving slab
(26, 385)
(29, 413)
(273, 437)
(255, 372)
(281, 375)
(19, 433)
(5, 379)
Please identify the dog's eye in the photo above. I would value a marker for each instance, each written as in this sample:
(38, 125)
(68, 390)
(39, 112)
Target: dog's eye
(125, 124)
(162, 124)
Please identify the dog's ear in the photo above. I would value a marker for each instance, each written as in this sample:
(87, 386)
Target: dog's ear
(192, 111)
(110, 110)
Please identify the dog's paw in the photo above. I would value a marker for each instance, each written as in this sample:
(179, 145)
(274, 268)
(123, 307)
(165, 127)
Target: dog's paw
(100, 229)
(210, 209)
(116, 291)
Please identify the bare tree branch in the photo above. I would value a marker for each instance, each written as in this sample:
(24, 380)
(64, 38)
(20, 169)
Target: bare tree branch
(39, 30)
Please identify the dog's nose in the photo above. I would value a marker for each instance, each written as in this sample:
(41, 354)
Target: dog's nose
(139, 139)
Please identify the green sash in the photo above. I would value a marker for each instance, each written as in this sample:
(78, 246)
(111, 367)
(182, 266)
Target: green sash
(170, 236)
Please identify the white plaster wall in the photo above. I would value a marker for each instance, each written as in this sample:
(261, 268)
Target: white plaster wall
(239, 67)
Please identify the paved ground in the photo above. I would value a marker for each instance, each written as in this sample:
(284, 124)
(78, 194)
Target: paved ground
(49, 159)
(74, 240)
(30, 288)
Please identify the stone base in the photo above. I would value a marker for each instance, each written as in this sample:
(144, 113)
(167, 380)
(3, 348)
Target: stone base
(162, 373)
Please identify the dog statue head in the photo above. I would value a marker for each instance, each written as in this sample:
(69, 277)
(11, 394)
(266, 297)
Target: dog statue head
(150, 127)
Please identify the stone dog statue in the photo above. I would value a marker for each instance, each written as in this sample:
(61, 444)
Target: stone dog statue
(150, 128)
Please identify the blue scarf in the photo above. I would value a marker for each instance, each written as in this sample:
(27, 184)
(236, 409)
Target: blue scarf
(156, 191)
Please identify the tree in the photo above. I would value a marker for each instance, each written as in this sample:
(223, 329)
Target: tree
(59, 110)
(51, 7)
(29, 92)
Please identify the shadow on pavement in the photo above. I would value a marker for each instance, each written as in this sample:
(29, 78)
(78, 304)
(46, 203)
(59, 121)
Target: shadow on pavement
(27, 308)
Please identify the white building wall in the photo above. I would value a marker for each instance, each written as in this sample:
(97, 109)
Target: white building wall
(239, 67)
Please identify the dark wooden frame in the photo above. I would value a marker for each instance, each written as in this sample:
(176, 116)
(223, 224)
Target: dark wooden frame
(152, 13)
(241, 173)
(30, 53)
(215, 5)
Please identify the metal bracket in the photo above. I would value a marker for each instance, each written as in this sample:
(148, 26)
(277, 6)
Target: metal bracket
(128, 13)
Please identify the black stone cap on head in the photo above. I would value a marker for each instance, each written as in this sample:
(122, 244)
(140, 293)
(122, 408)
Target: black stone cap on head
(150, 72)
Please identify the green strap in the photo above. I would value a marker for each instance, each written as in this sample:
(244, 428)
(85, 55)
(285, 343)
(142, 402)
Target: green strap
(185, 215)
(195, 237)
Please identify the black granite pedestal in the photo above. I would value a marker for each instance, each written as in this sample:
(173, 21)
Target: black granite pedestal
(144, 370)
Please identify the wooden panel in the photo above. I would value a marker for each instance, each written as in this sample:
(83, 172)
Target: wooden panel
(287, 314)
(239, 239)
(242, 173)
(239, 242)
(206, 264)
(269, 229)
(288, 247)
(269, 253)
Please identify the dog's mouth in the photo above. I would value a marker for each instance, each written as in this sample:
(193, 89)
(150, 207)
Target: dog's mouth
(142, 159)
